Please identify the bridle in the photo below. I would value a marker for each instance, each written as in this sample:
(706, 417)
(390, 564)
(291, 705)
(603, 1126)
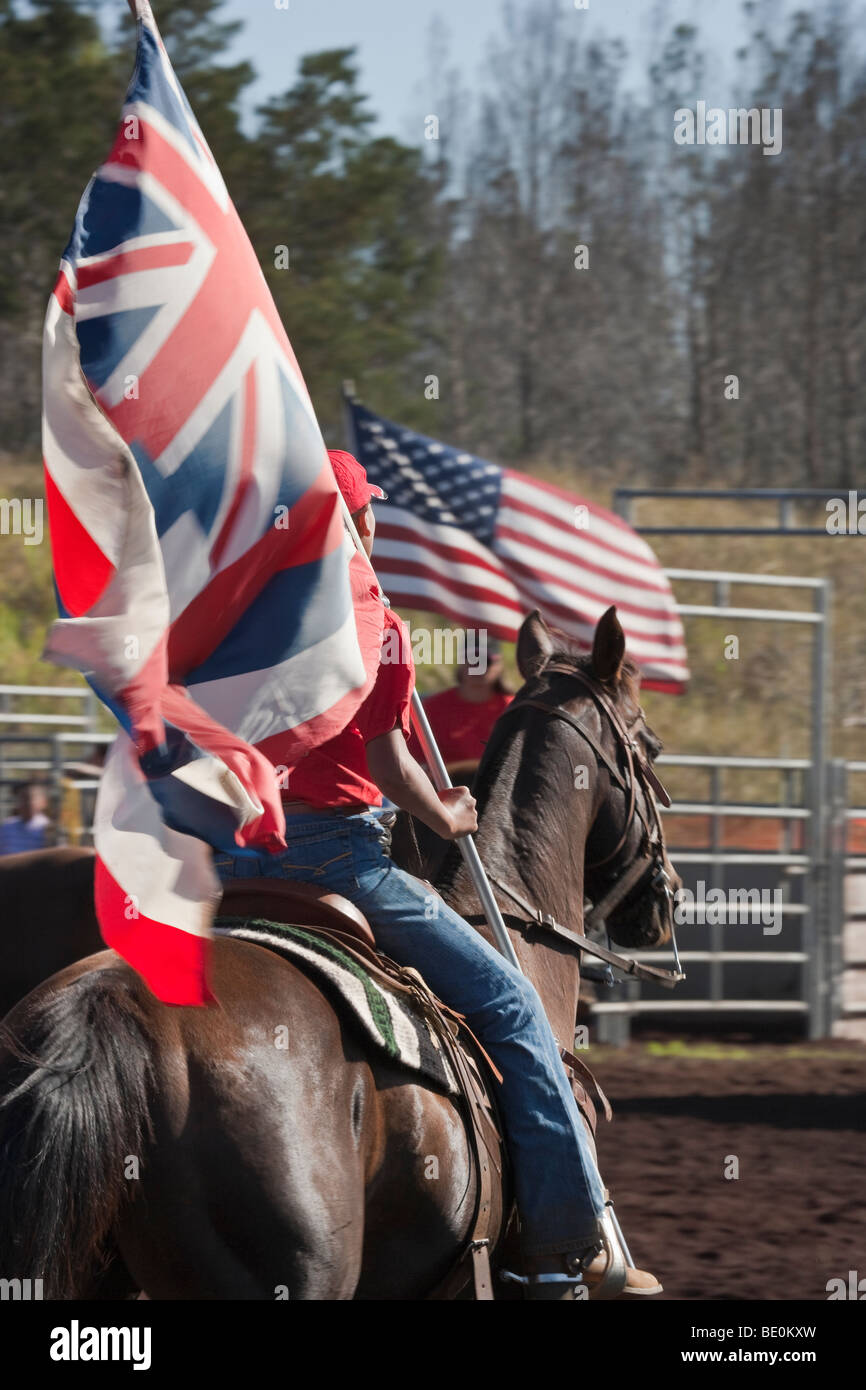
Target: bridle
(648, 866)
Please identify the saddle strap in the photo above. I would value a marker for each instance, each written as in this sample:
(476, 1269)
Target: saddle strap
(590, 1085)
(486, 1150)
(482, 1277)
(471, 1082)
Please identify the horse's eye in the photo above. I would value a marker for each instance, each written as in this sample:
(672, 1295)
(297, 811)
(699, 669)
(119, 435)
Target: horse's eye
(654, 745)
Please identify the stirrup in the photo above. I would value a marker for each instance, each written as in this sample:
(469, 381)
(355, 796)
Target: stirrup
(614, 1278)
(551, 1286)
(555, 1285)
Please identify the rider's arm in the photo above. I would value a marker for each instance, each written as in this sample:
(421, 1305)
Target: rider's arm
(449, 813)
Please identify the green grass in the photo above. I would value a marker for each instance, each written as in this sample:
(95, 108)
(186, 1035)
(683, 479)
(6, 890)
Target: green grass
(704, 1051)
(27, 606)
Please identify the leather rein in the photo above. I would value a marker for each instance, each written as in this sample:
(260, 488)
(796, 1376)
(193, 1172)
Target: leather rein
(650, 861)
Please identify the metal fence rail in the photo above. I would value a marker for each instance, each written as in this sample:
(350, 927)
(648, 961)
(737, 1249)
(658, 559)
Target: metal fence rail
(848, 880)
(85, 718)
(786, 500)
(713, 991)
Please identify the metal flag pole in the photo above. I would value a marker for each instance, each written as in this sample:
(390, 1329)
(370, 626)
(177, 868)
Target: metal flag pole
(438, 771)
(467, 846)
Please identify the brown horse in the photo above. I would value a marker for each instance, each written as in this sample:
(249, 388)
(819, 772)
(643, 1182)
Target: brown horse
(179, 1152)
(48, 917)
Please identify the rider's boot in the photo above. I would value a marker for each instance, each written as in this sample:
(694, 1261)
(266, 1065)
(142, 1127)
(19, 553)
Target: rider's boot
(637, 1281)
(600, 1272)
(588, 1275)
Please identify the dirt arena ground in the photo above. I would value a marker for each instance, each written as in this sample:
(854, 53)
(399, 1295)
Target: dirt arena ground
(795, 1118)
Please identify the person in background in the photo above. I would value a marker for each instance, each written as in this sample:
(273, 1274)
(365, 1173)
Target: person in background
(29, 828)
(463, 715)
(78, 789)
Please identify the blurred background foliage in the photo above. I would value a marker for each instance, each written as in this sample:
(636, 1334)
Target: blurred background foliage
(456, 257)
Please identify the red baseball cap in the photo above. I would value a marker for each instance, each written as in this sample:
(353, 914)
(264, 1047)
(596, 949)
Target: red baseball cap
(352, 480)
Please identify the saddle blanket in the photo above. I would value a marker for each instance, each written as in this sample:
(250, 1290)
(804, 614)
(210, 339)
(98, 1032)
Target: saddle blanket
(387, 1019)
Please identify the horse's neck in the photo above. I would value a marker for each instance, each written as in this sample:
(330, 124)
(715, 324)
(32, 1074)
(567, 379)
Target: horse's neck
(539, 852)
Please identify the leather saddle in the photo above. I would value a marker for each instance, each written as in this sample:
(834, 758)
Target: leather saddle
(282, 900)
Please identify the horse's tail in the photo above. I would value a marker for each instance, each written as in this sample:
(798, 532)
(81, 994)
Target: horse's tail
(75, 1078)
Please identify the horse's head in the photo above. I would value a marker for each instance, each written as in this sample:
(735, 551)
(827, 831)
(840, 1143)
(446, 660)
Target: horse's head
(628, 875)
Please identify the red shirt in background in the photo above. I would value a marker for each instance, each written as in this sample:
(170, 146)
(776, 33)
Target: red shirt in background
(461, 727)
(336, 773)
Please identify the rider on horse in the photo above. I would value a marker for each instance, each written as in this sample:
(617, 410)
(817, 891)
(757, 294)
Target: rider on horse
(336, 840)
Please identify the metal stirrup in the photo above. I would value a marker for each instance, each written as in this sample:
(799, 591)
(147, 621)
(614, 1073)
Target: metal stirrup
(615, 1277)
(616, 1274)
(545, 1280)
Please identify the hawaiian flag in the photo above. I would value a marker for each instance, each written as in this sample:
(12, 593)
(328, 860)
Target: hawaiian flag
(485, 545)
(204, 579)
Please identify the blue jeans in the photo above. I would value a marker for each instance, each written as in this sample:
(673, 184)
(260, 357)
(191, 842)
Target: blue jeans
(557, 1185)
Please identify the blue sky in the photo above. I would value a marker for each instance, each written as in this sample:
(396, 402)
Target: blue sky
(392, 37)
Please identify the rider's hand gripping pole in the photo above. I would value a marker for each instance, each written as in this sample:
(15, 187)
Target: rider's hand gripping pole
(466, 844)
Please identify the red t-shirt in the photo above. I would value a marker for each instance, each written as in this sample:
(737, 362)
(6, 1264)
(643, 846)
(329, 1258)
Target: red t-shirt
(336, 773)
(461, 728)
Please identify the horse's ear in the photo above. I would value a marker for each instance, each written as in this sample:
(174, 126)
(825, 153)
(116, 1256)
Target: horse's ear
(534, 645)
(608, 647)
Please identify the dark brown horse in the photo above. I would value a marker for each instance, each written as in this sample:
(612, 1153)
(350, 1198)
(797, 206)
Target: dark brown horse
(181, 1149)
(47, 917)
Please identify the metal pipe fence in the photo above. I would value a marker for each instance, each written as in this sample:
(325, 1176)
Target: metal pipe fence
(86, 718)
(784, 499)
(722, 934)
(848, 884)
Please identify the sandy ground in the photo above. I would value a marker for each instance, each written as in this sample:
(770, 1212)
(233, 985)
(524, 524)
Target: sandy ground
(795, 1119)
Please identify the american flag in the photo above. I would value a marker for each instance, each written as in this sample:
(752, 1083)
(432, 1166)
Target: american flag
(485, 545)
(204, 579)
